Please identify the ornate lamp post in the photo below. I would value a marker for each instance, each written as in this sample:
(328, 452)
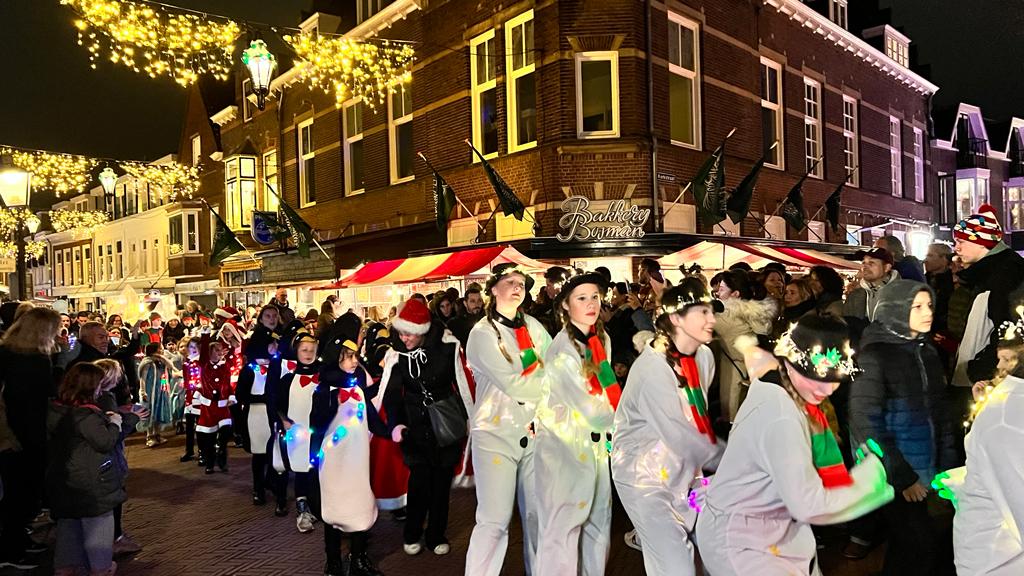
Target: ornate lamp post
(261, 64)
(16, 191)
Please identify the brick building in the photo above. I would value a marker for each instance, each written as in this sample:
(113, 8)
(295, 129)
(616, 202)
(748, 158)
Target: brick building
(610, 99)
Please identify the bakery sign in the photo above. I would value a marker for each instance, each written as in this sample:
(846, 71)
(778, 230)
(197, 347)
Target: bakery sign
(617, 221)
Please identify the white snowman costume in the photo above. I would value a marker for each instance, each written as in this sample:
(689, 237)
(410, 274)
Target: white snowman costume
(657, 457)
(573, 481)
(503, 445)
(346, 500)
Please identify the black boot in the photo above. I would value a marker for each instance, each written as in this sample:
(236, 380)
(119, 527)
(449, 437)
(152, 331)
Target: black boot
(259, 497)
(187, 457)
(334, 569)
(222, 459)
(360, 565)
(282, 508)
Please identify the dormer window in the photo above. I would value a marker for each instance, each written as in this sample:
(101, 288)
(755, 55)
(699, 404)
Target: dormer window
(837, 12)
(365, 9)
(897, 48)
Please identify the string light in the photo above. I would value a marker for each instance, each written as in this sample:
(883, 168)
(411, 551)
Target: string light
(11, 217)
(156, 42)
(171, 180)
(79, 221)
(33, 249)
(352, 69)
(59, 173)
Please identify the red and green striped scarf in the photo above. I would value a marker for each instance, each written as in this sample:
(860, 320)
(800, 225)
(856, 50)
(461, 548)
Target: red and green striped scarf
(527, 353)
(825, 450)
(604, 379)
(687, 368)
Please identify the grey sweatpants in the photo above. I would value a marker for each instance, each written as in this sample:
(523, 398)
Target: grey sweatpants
(85, 542)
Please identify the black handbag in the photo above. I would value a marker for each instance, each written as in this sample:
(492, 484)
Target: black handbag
(448, 418)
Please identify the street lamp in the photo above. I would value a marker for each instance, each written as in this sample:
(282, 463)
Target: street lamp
(261, 64)
(108, 178)
(16, 191)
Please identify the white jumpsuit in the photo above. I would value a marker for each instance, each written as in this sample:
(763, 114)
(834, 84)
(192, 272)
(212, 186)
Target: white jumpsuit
(657, 457)
(989, 520)
(573, 481)
(766, 493)
(503, 446)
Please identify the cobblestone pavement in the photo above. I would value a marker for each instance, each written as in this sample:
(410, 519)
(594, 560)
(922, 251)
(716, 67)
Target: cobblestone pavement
(191, 524)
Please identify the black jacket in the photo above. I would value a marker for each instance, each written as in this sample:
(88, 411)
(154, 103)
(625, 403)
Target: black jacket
(28, 386)
(126, 356)
(942, 285)
(83, 478)
(462, 324)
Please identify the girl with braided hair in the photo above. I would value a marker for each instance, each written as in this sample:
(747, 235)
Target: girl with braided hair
(574, 424)
(504, 352)
(663, 439)
(783, 470)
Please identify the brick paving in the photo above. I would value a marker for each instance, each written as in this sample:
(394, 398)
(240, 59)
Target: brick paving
(191, 524)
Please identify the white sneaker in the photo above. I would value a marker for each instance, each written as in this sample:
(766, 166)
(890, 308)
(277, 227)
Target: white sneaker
(442, 549)
(412, 549)
(304, 522)
(633, 540)
(151, 442)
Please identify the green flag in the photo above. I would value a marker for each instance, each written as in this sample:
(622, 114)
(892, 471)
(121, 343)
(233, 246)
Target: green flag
(225, 243)
(510, 203)
(300, 232)
(833, 206)
(738, 204)
(709, 188)
(444, 201)
(793, 208)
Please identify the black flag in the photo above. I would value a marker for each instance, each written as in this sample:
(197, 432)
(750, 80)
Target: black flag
(833, 206)
(738, 204)
(709, 188)
(793, 208)
(510, 203)
(444, 201)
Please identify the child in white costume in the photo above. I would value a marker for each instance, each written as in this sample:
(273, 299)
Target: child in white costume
(504, 352)
(663, 437)
(575, 418)
(782, 470)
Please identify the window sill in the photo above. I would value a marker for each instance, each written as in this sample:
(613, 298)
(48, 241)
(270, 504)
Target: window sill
(309, 205)
(403, 180)
(775, 166)
(681, 144)
(596, 135)
(355, 192)
(520, 148)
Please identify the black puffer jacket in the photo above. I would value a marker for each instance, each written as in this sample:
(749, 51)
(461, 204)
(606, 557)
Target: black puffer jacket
(83, 477)
(899, 399)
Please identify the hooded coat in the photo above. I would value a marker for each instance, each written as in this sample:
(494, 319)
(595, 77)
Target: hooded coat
(862, 302)
(740, 318)
(899, 399)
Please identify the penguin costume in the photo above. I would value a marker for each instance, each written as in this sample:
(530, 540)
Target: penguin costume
(343, 418)
(255, 390)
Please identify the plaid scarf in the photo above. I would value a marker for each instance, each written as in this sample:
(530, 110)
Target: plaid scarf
(686, 369)
(825, 450)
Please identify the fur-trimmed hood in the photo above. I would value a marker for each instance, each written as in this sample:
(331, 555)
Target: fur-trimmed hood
(746, 316)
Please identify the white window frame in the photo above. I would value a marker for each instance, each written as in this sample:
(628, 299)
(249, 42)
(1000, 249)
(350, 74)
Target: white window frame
(197, 149)
(896, 156)
(1011, 206)
(598, 56)
(270, 202)
(777, 108)
(918, 165)
(366, 9)
(478, 89)
(301, 156)
(393, 124)
(247, 106)
(512, 75)
(189, 228)
(851, 141)
(120, 260)
(101, 270)
(838, 13)
(897, 50)
(350, 189)
(813, 141)
(692, 75)
(239, 214)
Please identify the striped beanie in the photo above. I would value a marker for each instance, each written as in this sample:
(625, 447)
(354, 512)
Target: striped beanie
(982, 228)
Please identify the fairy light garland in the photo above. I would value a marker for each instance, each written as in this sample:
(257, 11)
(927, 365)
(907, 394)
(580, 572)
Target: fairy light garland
(59, 173)
(79, 221)
(11, 218)
(155, 41)
(172, 180)
(352, 69)
(819, 359)
(33, 249)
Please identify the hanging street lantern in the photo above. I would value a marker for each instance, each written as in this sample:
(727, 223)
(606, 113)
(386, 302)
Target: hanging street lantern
(32, 223)
(261, 64)
(108, 178)
(15, 184)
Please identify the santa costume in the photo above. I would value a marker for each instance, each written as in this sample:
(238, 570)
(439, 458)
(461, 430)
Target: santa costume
(504, 355)
(663, 438)
(215, 399)
(574, 432)
(293, 403)
(782, 470)
(255, 396)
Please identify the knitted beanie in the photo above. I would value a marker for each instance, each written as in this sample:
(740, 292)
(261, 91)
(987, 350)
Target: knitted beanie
(982, 228)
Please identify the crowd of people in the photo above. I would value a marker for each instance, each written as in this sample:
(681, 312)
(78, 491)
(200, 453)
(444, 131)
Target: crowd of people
(729, 415)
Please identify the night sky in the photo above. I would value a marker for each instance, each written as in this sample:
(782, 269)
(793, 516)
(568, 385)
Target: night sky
(53, 100)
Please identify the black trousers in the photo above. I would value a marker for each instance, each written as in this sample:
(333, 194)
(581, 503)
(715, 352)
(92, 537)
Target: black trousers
(264, 476)
(920, 537)
(332, 544)
(428, 499)
(190, 433)
(214, 445)
(22, 475)
(302, 484)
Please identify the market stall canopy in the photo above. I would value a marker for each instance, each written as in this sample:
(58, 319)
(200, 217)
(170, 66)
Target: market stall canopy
(435, 267)
(721, 255)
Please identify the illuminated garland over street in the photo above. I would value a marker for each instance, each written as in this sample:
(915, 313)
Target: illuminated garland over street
(10, 218)
(155, 41)
(171, 180)
(33, 249)
(59, 173)
(352, 69)
(77, 220)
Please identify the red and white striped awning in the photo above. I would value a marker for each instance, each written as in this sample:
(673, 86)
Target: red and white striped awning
(435, 267)
(722, 255)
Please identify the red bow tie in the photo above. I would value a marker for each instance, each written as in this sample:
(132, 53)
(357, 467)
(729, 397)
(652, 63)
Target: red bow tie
(344, 394)
(290, 365)
(307, 380)
(263, 369)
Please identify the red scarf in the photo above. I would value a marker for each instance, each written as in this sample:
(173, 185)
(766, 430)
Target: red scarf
(687, 368)
(825, 451)
(605, 378)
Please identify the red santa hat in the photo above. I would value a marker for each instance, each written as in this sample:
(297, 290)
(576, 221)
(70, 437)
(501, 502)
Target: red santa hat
(982, 228)
(230, 331)
(413, 318)
(226, 312)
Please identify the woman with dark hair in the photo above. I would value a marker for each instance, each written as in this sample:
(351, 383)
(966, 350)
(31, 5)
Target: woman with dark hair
(828, 288)
(574, 424)
(504, 352)
(115, 322)
(783, 470)
(663, 438)
(442, 307)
